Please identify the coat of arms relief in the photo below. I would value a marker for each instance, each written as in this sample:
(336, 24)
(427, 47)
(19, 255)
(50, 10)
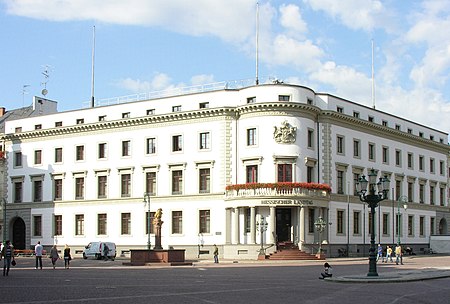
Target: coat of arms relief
(285, 134)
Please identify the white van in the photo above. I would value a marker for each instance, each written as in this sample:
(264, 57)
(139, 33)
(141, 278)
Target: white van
(98, 250)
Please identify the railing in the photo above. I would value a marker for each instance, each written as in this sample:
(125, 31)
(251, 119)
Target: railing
(277, 190)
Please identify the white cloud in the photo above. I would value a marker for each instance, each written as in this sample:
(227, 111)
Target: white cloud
(202, 79)
(292, 20)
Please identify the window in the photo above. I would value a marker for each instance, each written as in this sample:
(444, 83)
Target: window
(410, 131)
(79, 153)
(398, 158)
(340, 144)
(58, 189)
(150, 183)
(204, 180)
(176, 108)
(177, 143)
(126, 148)
(410, 161)
(18, 130)
(384, 123)
(283, 97)
(397, 127)
(79, 224)
(37, 190)
(420, 134)
(204, 105)
(371, 119)
(284, 172)
(355, 182)
(311, 217)
(421, 162)
(126, 115)
(431, 137)
(309, 174)
(251, 137)
(422, 193)
(410, 191)
(125, 223)
(441, 167)
(102, 150)
(371, 151)
(38, 127)
(150, 145)
(432, 165)
(340, 181)
(101, 224)
(102, 184)
(149, 222)
(385, 223)
(79, 188)
(57, 224)
(251, 99)
(339, 109)
(356, 148)
(340, 222)
(58, 124)
(18, 190)
(37, 225)
(432, 225)
(356, 222)
(252, 174)
(80, 121)
(177, 182)
(177, 222)
(58, 155)
(205, 139)
(441, 196)
(38, 157)
(150, 111)
(310, 138)
(432, 200)
(125, 182)
(385, 155)
(422, 226)
(410, 225)
(398, 188)
(17, 159)
(204, 221)
(355, 114)
(309, 101)
(102, 118)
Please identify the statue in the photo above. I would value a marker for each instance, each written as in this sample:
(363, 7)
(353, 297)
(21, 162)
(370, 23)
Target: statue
(158, 223)
(158, 215)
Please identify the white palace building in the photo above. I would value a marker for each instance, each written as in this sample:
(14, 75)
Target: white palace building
(218, 160)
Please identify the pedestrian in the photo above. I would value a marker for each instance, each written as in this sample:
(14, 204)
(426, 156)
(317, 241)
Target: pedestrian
(388, 254)
(8, 256)
(216, 254)
(105, 251)
(398, 254)
(54, 255)
(380, 253)
(327, 271)
(67, 256)
(38, 253)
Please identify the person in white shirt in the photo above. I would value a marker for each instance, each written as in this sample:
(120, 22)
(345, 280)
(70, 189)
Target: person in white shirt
(38, 253)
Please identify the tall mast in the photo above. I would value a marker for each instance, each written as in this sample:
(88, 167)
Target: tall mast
(373, 81)
(257, 40)
(93, 65)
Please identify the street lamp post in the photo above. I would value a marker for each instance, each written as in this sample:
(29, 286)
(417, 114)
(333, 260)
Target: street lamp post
(262, 227)
(375, 193)
(320, 225)
(147, 202)
(402, 200)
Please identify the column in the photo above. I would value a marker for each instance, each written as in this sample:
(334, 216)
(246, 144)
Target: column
(236, 226)
(272, 228)
(228, 226)
(252, 225)
(302, 234)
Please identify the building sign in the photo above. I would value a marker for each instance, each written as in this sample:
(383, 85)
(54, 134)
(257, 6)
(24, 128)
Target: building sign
(287, 202)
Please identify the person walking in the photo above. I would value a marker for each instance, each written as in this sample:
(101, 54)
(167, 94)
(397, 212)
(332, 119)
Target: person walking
(398, 254)
(38, 253)
(67, 256)
(388, 253)
(216, 254)
(54, 255)
(8, 256)
(380, 253)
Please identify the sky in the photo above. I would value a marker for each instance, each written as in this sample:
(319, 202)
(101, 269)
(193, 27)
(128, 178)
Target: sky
(151, 45)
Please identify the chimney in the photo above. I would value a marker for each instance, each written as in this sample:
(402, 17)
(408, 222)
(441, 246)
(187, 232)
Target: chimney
(2, 111)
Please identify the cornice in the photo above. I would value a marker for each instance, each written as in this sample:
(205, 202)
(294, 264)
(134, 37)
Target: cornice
(281, 108)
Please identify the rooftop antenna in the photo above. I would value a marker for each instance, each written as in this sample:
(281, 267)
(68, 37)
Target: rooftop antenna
(93, 62)
(373, 81)
(46, 74)
(24, 91)
(257, 40)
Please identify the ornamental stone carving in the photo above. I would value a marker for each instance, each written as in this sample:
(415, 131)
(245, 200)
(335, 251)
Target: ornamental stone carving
(285, 134)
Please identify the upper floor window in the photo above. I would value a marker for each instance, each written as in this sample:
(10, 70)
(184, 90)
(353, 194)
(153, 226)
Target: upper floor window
(397, 127)
(385, 155)
(150, 111)
(177, 182)
(355, 114)
(432, 165)
(309, 101)
(79, 188)
(18, 129)
(310, 138)
(126, 148)
(204, 141)
(421, 163)
(251, 174)
(126, 115)
(177, 143)
(371, 151)
(284, 97)
(284, 172)
(38, 157)
(102, 118)
(204, 105)
(410, 131)
(80, 121)
(398, 158)
(384, 123)
(58, 155)
(410, 161)
(150, 145)
(176, 108)
(204, 180)
(251, 99)
(38, 127)
(102, 150)
(339, 109)
(371, 119)
(420, 134)
(356, 148)
(17, 159)
(79, 153)
(340, 144)
(251, 137)
(125, 185)
(58, 124)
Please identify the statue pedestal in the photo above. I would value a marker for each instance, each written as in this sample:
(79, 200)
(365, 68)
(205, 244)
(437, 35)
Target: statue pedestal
(143, 257)
(158, 223)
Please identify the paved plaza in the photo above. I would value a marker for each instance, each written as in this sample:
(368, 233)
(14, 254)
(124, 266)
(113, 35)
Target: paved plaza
(91, 281)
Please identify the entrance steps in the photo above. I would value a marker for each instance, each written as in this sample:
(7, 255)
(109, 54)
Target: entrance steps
(289, 251)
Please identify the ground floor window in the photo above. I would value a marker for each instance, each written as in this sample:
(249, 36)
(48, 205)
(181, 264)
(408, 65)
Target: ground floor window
(204, 218)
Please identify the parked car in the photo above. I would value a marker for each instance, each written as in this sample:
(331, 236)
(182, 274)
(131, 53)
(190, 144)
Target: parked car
(100, 250)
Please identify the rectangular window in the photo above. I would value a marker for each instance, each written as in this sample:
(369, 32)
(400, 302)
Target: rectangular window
(149, 222)
(176, 109)
(150, 145)
(150, 112)
(125, 223)
(311, 220)
(356, 148)
(37, 191)
(125, 185)
(38, 127)
(340, 181)
(102, 118)
(79, 224)
(385, 155)
(422, 226)
(58, 124)
(432, 225)
(340, 222)
(340, 144)
(58, 189)
(252, 174)
(18, 190)
(398, 158)
(177, 222)
(284, 172)
(371, 151)
(385, 223)
(441, 196)
(355, 114)
(79, 154)
(102, 150)
(126, 115)
(356, 222)
(38, 157)
(422, 193)
(58, 224)
(58, 155)
(397, 127)
(398, 188)
(355, 183)
(421, 163)
(37, 225)
(101, 224)
(80, 121)
(102, 184)
(410, 161)
(204, 180)
(384, 123)
(310, 138)
(126, 148)
(17, 159)
(251, 137)
(441, 167)
(283, 97)
(251, 99)
(150, 183)
(410, 225)
(410, 191)
(339, 109)
(18, 130)
(309, 174)
(204, 221)
(177, 143)
(432, 165)
(177, 182)
(204, 105)
(432, 200)
(205, 141)
(79, 188)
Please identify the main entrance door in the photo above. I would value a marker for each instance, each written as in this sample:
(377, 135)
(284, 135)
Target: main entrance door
(18, 233)
(283, 224)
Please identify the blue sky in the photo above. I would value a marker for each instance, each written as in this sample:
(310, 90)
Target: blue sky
(150, 45)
